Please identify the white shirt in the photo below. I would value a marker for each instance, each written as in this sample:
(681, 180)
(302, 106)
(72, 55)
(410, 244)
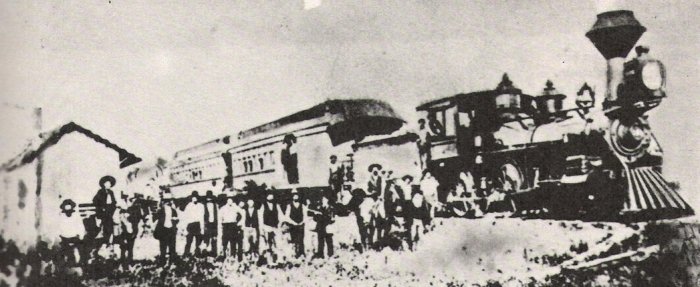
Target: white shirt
(125, 224)
(168, 217)
(468, 181)
(423, 135)
(429, 187)
(417, 200)
(405, 189)
(229, 213)
(72, 226)
(335, 167)
(194, 212)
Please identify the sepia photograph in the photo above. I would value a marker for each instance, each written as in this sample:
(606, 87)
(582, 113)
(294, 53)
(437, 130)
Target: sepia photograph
(477, 143)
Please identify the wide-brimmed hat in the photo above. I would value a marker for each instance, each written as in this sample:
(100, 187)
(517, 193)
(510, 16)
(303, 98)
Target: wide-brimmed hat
(68, 205)
(289, 138)
(407, 177)
(210, 193)
(194, 194)
(107, 178)
(372, 166)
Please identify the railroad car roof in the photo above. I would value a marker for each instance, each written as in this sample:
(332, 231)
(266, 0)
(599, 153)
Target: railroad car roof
(339, 110)
(451, 100)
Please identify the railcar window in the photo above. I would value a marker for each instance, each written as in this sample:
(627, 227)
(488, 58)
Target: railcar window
(464, 119)
(262, 164)
(449, 124)
(436, 122)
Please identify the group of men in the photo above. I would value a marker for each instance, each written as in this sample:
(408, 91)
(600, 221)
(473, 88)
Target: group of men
(391, 197)
(247, 227)
(113, 223)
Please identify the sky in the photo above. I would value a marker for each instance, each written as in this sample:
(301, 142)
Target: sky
(159, 76)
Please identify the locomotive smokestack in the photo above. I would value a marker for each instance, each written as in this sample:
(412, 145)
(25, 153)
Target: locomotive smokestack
(614, 35)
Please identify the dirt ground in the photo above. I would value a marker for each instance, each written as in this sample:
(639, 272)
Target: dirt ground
(456, 252)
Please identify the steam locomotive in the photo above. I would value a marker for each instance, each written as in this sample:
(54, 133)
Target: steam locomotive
(599, 159)
(595, 160)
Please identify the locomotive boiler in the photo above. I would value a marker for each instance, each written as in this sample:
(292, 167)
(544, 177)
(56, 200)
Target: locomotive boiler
(530, 155)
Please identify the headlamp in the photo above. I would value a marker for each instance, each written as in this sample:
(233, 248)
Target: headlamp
(653, 75)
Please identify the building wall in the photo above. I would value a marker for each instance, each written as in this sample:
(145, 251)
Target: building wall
(71, 170)
(18, 194)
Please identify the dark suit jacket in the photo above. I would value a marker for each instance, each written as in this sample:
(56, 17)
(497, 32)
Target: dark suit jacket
(374, 187)
(206, 212)
(104, 210)
(160, 217)
(290, 163)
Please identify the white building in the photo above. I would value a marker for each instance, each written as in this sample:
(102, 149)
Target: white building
(65, 163)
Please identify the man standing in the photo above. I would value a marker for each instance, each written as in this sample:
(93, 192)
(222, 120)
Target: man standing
(134, 215)
(289, 159)
(297, 219)
(324, 218)
(404, 188)
(105, 204)
(429, 187)
(211, 217)
(193, 218)
(231, 218)
(335, 177)
(252, 228)
(166, 228)
(72, 233)
(375, 183)
(423, 144)
(126, 236)
(269, 214)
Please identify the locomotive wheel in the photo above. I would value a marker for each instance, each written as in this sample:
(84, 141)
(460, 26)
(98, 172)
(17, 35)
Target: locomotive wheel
(510, 178)
(513, 205)
(511, 181)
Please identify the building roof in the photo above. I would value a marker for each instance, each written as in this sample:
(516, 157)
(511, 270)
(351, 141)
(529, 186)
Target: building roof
(48, 139)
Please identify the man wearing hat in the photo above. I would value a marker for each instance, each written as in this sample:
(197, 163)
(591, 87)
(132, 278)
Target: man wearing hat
(232, 216)
(423, 142)
(324, 217)
(211, 222)
(166, 227)
(335, 178)
(193, 219)
(296, 218)
(105, 204)
(72, 232)
(290, 161)
(375, 183)
(251, 228)
(269, 215)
